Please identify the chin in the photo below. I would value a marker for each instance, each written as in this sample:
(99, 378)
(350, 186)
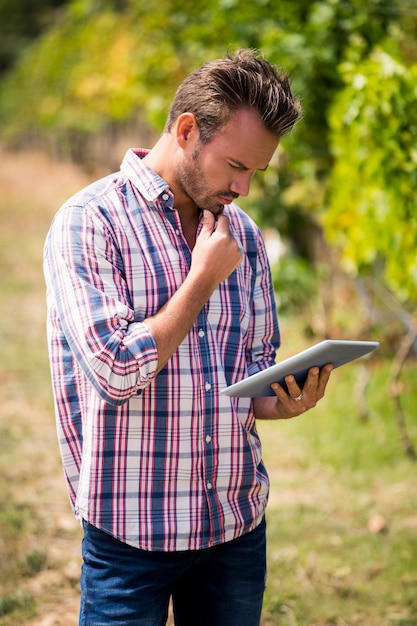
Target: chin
(216, 209)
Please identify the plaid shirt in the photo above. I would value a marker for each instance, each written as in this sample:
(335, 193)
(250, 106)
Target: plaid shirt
(162, 462)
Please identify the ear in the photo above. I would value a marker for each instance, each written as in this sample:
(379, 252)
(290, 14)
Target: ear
(186, 129)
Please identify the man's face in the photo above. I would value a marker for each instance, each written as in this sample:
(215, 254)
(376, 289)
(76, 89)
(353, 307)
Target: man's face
(214, 174)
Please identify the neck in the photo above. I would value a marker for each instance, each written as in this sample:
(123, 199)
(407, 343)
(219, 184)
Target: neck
(162, 159)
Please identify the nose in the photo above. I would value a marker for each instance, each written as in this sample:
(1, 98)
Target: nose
(241, 183)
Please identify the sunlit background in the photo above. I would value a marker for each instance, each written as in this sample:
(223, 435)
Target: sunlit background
(82, 81)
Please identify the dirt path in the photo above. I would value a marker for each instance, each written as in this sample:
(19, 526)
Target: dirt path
(32, 187)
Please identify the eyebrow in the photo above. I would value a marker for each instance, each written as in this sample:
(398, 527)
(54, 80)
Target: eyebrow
(245, 167)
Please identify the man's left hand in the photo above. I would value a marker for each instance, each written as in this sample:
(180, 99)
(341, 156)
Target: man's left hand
(295, 401)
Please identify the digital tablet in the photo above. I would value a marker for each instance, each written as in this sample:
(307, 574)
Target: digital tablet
(337, 352)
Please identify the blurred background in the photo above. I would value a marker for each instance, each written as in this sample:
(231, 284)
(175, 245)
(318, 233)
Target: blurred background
(83, 80)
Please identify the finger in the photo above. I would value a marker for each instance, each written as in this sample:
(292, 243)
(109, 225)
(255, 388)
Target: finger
(315, 384)
(225, 234)
(312, 381)
(294, 391)
(280, 392)
(306, 397)
(287, 407)
(223, 224)
(209, 223)
(323, 379)
(290, 396)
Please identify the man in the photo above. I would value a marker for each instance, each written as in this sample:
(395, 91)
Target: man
(159, 295)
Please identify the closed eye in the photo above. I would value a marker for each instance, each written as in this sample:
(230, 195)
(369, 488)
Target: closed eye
(238, 166)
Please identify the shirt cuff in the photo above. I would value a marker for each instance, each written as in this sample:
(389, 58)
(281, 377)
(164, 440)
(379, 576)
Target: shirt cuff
(141, 344)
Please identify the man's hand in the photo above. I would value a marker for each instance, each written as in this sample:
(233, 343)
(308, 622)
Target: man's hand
(216, 253)
(286, 405)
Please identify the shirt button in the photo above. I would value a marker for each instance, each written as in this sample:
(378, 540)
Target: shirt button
(201, 333)
(209, 485)
(165, 196)
(207, 386)
(208, 439)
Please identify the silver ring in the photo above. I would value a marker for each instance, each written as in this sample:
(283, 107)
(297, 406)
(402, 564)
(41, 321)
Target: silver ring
(299, 397)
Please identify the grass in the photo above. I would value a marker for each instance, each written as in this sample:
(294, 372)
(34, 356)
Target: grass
(31, 188)
(334, 474)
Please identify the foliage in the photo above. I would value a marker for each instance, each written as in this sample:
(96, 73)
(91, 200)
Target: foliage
(22, 22)
(110, 61)
(65, 73)
(295, 284)
(106, 63)
(372, 206)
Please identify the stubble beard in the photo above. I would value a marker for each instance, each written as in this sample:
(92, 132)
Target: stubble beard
(192, 182)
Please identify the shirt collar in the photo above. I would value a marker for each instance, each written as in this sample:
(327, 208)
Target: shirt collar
(146, 180)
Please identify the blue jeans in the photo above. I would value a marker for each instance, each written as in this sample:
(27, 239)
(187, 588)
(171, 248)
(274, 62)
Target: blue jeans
(219, 586)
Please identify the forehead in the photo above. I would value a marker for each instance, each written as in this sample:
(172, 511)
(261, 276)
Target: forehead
(245, 140)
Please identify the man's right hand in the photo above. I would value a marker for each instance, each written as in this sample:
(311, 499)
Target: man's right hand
(216, 252)
(215, 255)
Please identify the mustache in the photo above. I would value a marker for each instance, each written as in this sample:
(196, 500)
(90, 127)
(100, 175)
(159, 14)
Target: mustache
(227, 194)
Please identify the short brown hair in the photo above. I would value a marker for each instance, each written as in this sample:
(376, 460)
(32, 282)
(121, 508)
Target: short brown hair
(221, 87)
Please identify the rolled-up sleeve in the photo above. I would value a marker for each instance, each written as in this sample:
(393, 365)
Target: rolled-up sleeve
(88, 290)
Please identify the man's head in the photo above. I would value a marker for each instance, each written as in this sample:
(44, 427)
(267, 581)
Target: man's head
(220, 88)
